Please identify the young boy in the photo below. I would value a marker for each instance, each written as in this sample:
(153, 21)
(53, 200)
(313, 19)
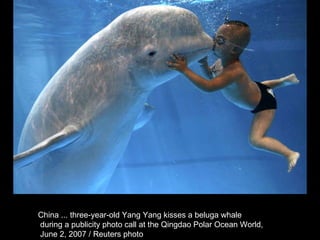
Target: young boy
(228, 75)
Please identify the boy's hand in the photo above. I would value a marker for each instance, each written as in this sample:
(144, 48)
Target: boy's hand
(178, 63)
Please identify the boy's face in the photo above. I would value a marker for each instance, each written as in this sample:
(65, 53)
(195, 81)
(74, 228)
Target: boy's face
(221, 40)
(226, 40)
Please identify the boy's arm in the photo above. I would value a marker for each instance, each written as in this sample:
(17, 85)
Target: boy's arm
(179, 63)
(211, 85)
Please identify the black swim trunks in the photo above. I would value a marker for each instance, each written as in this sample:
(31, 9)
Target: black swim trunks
(267, 101)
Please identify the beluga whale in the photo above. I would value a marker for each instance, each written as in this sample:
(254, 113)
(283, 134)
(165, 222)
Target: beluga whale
(80, 124)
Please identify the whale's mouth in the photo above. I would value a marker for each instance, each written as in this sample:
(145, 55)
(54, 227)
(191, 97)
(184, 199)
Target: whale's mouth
(193, 53)
(196, 50)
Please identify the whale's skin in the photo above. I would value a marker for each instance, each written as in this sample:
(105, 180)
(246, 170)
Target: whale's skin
(80, 124)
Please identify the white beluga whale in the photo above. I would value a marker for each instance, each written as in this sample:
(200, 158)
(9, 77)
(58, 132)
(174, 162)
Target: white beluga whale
(144, 117)
(81, 123)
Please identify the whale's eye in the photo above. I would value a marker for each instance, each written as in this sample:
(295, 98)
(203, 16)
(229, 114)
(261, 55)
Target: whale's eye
(152, 53)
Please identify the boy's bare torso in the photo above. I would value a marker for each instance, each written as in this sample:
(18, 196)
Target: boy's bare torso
(242, 91)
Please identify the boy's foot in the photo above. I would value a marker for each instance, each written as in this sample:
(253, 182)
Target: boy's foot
(290, 79)
(293, 160)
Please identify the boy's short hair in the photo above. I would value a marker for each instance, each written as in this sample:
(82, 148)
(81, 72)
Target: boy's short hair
(246, 35)
(236, 22)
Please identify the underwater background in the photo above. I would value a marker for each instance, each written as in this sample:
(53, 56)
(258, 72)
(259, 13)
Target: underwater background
(195, 142)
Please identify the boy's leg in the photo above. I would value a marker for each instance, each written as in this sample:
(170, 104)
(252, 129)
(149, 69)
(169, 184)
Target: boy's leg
(260, 125)
(282, 82)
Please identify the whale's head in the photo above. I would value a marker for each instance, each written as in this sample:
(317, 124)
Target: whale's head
(147, 36)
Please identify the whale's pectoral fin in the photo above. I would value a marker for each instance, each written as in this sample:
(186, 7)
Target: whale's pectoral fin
(59, 140)
(144, 117)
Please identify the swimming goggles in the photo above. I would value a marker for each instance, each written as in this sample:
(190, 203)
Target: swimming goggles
(221, 40)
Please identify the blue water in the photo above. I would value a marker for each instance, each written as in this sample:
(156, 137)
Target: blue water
(196, 142)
